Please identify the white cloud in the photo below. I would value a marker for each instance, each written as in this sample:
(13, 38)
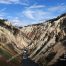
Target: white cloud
(28, 14)
(37, 6)
(22, 2)
(33, 12)
(16, 21)
(59, 8)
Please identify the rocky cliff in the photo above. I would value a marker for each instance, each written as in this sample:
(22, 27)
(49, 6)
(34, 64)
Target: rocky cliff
(46, 42)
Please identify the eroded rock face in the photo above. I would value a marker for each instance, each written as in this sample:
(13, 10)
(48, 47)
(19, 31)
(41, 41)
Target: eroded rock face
(45, 42)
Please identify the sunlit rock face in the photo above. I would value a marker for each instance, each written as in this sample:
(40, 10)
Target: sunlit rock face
(45, 42)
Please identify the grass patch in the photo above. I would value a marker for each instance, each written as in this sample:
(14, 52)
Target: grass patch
(5, 54)
(8, 56)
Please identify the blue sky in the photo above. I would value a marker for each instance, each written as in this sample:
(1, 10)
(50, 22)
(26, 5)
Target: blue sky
(25, 12)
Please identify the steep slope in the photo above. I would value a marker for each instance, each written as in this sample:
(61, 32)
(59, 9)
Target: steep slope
(46, 42)
(10, 42)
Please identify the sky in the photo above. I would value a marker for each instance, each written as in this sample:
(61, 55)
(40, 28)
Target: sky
(26, 12)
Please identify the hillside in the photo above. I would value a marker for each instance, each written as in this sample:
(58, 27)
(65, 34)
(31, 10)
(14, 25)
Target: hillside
(46, 42)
